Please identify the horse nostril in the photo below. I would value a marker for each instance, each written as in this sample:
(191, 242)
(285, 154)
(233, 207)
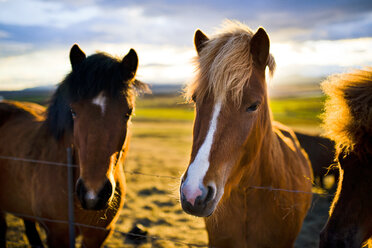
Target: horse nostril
(106, 191)
(210, 194)
(94, 201)
(81, 190)
(212, 190)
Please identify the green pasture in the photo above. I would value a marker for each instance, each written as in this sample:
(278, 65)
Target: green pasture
(295, 111)
(290, 111)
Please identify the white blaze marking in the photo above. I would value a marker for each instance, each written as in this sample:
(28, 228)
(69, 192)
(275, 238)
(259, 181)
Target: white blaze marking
(199, 167)
(100, 100)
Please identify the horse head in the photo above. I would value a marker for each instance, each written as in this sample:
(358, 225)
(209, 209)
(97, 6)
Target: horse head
(94, 105)
(231, 110)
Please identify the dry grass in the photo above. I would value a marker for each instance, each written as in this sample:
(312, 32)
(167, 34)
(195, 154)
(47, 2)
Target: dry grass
(162, 147)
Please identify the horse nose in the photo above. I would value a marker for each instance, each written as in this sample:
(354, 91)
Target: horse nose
(195, 200)
(91, 200)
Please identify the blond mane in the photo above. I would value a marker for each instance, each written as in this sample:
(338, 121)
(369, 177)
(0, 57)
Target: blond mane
(224, 65)
(348, 110)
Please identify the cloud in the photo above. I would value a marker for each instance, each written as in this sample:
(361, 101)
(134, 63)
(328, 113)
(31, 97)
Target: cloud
(173, 22)
(314, 59)
(173, 64)
(3, 34)
(14, 48)
(312, 37)
(157, 63)
(43, 13)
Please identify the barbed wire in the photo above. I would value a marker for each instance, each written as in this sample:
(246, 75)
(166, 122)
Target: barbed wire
(158, 176)
(43, 219)
(76, 166)
(153, 238)
(37, 161)
(290, 191)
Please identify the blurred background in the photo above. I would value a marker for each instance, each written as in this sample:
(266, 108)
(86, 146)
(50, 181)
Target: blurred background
(310, 40)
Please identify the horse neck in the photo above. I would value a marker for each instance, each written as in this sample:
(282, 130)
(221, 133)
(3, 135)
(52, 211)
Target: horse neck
(59, 147)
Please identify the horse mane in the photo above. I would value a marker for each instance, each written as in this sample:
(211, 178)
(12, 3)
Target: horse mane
(348, 110)
(224, 65)
(99, 72)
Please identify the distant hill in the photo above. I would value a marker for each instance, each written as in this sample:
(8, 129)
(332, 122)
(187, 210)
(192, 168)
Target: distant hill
(39, 95)
(41, 88)
(42, 94)
(166, 89)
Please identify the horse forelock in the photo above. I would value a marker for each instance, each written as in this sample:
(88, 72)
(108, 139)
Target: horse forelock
(98, 73)
(224, 65)
(348, 110)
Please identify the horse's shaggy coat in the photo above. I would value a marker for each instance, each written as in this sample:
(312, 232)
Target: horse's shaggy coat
(348, 112)
(37, 192)
(348, 121)
(248, 148)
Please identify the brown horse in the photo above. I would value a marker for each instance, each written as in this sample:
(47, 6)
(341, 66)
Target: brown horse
(236, 146)
(90, 112)
(348, 121)
(321, 154)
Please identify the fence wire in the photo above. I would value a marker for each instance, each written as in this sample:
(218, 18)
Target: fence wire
(158, 176)
(152, 238)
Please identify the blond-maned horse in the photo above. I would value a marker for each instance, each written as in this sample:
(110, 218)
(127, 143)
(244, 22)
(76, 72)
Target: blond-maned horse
(90, 112)
(236, 145)
(348, 121)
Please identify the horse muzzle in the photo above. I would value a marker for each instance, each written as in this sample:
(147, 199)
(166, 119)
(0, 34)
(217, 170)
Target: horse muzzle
(201, 201)
(91, 200)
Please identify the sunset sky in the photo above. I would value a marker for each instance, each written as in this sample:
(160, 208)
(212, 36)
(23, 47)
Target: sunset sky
(309, 39)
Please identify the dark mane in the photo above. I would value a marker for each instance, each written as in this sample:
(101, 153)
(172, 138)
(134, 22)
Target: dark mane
(348, 110)
(97, 73)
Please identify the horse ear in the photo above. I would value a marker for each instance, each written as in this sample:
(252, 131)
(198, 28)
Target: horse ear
(260, 46)
(199, 39)
(130, 64)
(77, 56)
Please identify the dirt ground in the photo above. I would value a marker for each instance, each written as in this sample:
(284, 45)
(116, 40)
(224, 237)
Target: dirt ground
(162, 148)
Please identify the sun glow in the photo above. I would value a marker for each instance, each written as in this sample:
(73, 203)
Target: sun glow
(320, 58)
(173, 64)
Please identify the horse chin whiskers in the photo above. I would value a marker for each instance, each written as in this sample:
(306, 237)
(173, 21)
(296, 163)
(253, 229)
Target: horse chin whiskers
(113, 202)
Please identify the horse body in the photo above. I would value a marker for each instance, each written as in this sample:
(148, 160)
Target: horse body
(348, 121)
(89, 112)
(249, 217)
(321, 153)
(238, 153)
(41, 190)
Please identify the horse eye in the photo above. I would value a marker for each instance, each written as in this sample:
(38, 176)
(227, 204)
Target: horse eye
(253, 107)
(73, 114)
(129, 113)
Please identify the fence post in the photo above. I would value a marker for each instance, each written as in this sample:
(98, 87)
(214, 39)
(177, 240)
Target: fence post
(70, 185)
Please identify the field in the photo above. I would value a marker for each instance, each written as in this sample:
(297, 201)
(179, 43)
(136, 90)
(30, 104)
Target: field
(160, 147)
